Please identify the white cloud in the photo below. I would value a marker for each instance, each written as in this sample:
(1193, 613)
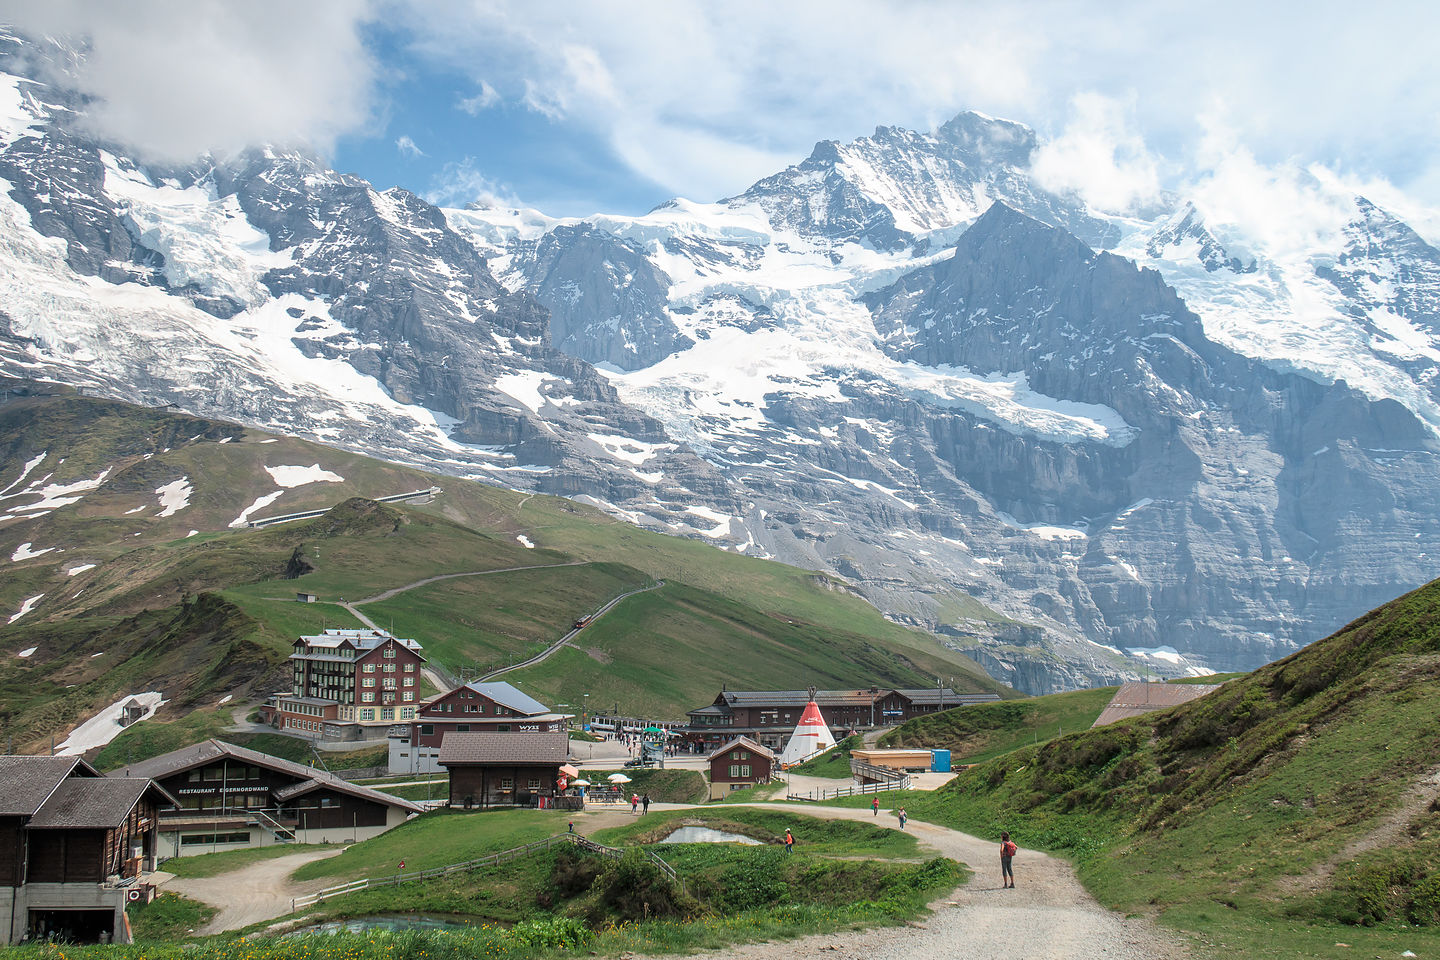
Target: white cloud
(1100, 157)
(763, 79)
(407, 147)
(173, 79)
(487, 97)
(461, 182)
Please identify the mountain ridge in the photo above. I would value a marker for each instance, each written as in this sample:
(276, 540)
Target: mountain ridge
(719, 371)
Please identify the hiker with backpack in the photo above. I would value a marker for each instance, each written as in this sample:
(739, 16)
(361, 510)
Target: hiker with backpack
(1007, 853)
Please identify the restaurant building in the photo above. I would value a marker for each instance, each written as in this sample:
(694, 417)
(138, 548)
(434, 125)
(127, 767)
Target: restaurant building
(769, 716)
(230, 797)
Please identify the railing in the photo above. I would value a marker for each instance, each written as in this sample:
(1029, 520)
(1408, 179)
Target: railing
(504, 856)
(884, 786)
(864, 770)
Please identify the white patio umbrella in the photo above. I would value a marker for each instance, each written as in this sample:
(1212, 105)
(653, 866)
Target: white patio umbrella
(618, 778)
(579, 783)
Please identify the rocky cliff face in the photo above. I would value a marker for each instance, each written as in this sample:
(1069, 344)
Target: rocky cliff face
(900, 360)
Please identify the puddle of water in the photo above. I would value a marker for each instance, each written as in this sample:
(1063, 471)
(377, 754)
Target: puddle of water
(361, 924)
(707, 835)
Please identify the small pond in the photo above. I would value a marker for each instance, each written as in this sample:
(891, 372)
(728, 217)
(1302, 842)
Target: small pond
(361, 924)
(707, 835)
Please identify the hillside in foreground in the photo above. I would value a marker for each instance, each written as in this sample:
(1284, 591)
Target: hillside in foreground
(129, 567)
(1293, 810)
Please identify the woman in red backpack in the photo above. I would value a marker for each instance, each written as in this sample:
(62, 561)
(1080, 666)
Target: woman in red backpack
(1007, 853)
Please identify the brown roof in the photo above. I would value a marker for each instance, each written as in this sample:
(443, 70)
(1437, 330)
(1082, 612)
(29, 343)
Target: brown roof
(26, 782)
(478, 746)
(198, 754)
(96, 802)
(748, 744)
(1136, 698)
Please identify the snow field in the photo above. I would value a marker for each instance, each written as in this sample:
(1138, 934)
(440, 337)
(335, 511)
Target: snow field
(105, 725)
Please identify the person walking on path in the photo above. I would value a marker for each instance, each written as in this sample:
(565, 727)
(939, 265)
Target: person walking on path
(789, 842)
(875, 806)
(903, 818)
(634, 802)
(645, 802)
(1007, 853)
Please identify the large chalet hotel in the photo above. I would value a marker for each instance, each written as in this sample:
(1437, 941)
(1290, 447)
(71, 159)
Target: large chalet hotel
(348, 685)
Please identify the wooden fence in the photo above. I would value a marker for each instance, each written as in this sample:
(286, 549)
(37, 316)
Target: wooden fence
(815, 796)
(504, 856)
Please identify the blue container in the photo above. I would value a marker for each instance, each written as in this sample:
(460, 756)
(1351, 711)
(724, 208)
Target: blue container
(940, 761)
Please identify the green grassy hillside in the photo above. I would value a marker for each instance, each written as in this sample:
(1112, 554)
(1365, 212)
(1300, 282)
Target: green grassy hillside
(121, 597)
(1293, 810)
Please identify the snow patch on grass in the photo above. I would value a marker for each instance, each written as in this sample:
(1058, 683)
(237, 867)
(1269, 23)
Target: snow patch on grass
(26, 607)
(105, 725)
(23, 552)
(289, 476)
(174, 496)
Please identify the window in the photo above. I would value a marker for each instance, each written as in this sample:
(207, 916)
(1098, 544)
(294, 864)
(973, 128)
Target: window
(369, 668)
(388, 683)
(745, 771)
(389, 668)
(409, 681)
(194, 776)
(389, 653)
(409, 695)
(740, 755)
(195, 839)
(462, 728)
(534, 783)
(369, 682)
(407, 713)
(409, 668)
(387, 713)
(367, 697)
(506, 783)
(734, 771)
(426, 729)
(367, 713)
(503, 727)
(215, 773)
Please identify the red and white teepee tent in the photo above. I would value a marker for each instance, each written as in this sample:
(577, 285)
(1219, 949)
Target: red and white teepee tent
(811, 736)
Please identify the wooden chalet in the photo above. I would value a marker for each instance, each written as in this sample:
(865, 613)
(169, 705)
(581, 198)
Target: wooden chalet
(231, 797)
(504, 769)
(72, 845)
(495, 707)
(738, 764)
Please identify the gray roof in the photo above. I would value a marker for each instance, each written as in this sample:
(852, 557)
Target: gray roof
(361, 639)
(947, 696)
(96, 802)
(506, 695)
(26, 782)
(197, 754)
(748, 744)
(478, 746)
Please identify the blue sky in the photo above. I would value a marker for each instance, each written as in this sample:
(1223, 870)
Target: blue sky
(579, 108)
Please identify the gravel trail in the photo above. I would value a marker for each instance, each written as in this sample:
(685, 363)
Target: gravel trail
(261, 891)
(1048, 916)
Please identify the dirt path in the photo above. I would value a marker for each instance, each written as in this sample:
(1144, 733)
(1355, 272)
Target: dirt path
(261, 891)
(1048, 916)
(551, 650)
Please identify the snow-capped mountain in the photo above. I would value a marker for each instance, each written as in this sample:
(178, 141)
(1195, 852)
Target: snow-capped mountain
(902, 360)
